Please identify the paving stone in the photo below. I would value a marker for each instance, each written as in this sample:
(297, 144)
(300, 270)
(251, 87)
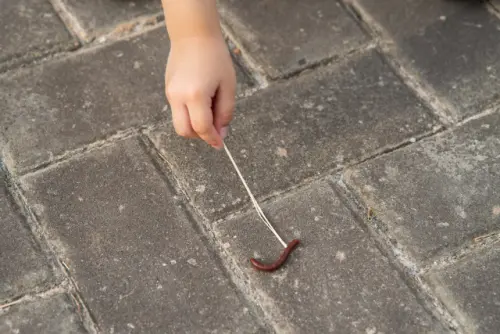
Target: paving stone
(440, 192)
(336, 281)
(97, 16)
(284, 40)
(296, 130)
(471, 285)
(29, 29)
(23, 268)
(453, 45)
(63, 105)
(134, 254)
(53, 315)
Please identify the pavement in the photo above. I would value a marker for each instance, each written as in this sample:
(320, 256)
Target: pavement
(368, 129)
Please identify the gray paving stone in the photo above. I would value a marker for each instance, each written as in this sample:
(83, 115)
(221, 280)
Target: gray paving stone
(496, 4)
(284, 40)
(23, 268)
(61, 106)
(134, 254)
(53, 315)
(97, 16)
(335, 282)
(29, 29)
(296, 130)
(471, 287)
(439, 193)
(453, 45)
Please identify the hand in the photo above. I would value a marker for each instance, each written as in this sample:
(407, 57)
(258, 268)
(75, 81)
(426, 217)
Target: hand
(200, 83)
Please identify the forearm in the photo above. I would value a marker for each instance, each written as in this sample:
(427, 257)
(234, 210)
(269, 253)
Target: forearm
(188, 19)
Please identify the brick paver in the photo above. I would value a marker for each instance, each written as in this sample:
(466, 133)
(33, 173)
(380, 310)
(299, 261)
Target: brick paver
(99, 207)
(284, 134)
(30, 29)
(336, 281)
(367, 129)
(94, 17)
(52, 315)
(288, 36)
(23, 267)
(438, 193)
(452, 45)
(470, 288)
(101, 92)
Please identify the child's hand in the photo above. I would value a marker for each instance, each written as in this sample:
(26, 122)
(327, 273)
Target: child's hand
(200, 87)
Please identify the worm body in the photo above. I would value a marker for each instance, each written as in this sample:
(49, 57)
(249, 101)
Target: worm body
(279, 262)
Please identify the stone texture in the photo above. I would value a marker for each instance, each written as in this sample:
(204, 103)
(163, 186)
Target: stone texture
(30, 29)
(63, 105)
(286, 36)
(440, 192)
(99, 16)
(471, 286)
(496, 4)
(296, 130)
(453, 45)
(22, 266)
(336, 281)
(53, 315)
(133, 252)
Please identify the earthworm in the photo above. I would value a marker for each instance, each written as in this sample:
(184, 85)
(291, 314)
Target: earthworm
(279, 262)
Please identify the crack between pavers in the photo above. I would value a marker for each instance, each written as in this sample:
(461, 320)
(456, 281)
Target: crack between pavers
(447, 298)
(81, 48)
(491, 109)
(436, 103)
(71, 22)
(492, 8)
(124, 29)
(79, 152)
(201, 226)
(49, 249)
(246, 60)
(403, 263)
(205, 225)
(329, 61)
(229, 262)
(131, 28)
(305, 182)
(62, 289)
(36, 55)
(30, 297)
(37, 234)
(448, 257)
(264, 79)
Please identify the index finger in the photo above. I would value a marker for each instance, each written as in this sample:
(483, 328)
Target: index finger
(202, 122)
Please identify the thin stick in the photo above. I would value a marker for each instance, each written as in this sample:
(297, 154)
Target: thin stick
(261, 214)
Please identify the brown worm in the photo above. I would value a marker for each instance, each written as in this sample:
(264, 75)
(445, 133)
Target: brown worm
(279, 262)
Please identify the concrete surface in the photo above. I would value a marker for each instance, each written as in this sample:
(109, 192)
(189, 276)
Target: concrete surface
(367, 129)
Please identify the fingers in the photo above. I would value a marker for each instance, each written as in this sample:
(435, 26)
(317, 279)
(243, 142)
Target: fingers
(224, 105)
(192, 117)
(182, 123)
(202, 121)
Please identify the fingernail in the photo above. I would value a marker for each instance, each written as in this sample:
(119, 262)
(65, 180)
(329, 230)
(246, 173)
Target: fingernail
(223, 132)
(217, 146)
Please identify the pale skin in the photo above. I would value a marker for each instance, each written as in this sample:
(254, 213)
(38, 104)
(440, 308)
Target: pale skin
(200, 80)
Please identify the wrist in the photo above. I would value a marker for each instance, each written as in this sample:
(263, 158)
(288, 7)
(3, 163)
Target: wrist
(205, 42)
(191, 20)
